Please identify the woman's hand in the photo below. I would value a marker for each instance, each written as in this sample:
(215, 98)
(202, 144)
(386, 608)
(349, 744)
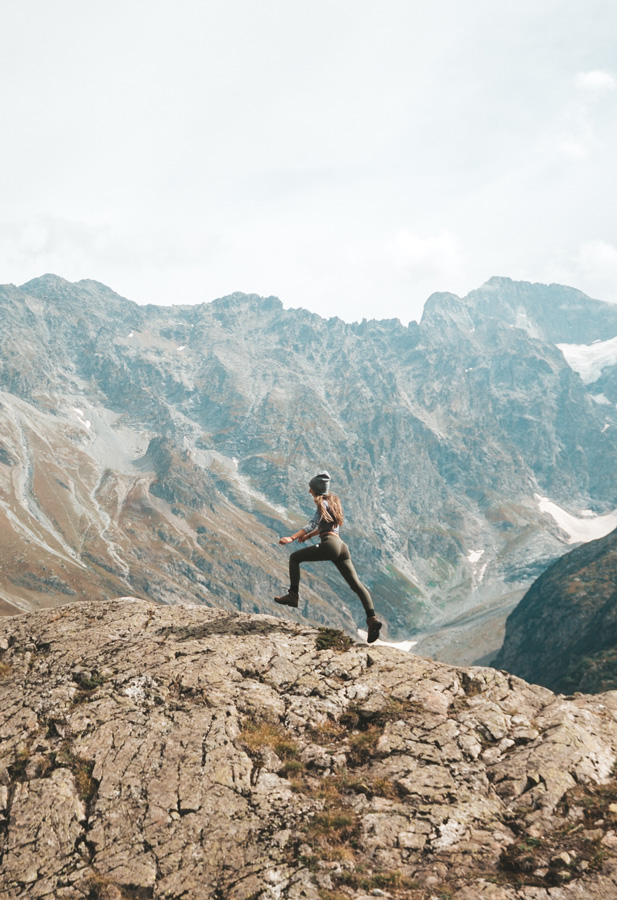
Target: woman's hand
(285, 540)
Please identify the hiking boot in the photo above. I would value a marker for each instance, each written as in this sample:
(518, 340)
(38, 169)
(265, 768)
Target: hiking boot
(374, 627)
(289, 599)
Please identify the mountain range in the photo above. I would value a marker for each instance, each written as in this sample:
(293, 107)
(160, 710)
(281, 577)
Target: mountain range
(161, 451)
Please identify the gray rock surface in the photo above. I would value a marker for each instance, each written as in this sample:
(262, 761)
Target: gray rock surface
(158, 752)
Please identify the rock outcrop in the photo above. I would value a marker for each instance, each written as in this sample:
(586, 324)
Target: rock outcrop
(167, 753)
(563, 633)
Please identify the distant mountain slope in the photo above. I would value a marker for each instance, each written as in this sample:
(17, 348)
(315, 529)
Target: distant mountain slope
(162, 451)
(563, 634)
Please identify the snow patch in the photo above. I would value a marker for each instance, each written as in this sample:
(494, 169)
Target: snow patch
(579, 530)
(80, 415)
(474, 557)
(399, 645)
(601, 399)
(590, 359)
(523, 322)
(481, 572)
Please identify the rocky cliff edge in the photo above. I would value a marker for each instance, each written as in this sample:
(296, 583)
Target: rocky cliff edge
(167, 752)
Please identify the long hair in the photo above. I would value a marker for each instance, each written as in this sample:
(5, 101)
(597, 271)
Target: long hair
(334, 512)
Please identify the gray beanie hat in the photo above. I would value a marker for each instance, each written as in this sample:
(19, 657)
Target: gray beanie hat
(320, 484)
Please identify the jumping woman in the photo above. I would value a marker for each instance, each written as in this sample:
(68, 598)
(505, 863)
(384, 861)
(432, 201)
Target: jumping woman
(326, 522)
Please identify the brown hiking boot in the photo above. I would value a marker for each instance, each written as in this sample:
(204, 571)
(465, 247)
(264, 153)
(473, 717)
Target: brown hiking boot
(289, 599)
(374, 627)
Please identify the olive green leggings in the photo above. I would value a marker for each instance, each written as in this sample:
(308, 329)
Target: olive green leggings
(333, 549)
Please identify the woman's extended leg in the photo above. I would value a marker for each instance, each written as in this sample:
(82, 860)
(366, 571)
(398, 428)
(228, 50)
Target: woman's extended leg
(316, 553)
(334, 549)
(346, 568)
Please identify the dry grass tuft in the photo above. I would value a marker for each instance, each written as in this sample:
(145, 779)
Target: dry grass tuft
(333, 639)
(255, 736)
(82, 769)
(362, 745)
(328, 732)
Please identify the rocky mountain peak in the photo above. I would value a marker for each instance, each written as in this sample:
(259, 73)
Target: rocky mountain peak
(173, 752)
(52, 288)
(85, 297)
(444, 307)
(46, 282)
(239, 301)
(554, 313)
(497, 283)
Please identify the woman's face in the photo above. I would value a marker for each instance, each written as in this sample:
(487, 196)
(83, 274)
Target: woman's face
(313, 495)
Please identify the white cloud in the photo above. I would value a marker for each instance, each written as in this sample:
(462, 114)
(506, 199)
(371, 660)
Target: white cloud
(599, 258)
(406, 148)
(441, 254)
(592, 268)
(573, 148)
(595, 81)
(80, 249)
(585, 125)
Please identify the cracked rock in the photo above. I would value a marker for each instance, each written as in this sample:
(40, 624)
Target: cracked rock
(170, 752)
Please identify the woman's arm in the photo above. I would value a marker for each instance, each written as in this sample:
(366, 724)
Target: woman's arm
(305, 533)
(299, 536)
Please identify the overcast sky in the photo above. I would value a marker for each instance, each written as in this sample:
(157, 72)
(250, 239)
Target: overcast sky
(348, 156)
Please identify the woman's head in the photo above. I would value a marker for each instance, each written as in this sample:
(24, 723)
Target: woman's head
(329, 505)
(320, 484)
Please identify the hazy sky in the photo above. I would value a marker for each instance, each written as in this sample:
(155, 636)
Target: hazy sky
(349, 156)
